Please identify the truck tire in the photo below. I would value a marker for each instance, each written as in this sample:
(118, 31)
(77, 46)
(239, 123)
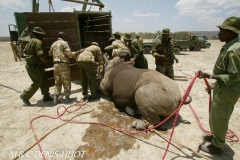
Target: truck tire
(147, 50)
(177, 50)
(198, 48)
(191, 48)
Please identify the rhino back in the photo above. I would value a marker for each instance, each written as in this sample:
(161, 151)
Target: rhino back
(125, 83)
(158, 94)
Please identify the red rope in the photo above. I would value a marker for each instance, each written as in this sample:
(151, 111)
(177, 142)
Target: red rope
(230, 134)
(180, 105)
(209, 92)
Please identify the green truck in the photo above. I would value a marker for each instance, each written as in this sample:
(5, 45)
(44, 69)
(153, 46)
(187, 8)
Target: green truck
(195, 42)
(81, 27)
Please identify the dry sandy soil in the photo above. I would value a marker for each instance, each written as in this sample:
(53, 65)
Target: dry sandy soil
(94, 141)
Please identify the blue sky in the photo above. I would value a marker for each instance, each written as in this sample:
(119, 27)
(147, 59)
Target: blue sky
(139, 15)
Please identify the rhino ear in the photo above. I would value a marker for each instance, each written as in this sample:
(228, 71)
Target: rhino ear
(115, 60)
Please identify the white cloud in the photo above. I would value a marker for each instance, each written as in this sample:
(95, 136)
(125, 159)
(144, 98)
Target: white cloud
(79, 8)
(206, 11)
(116, 20)
(12, 3)
(175, 17)
(67, 9)
(128, 20)
(70, 9)
(231, 12)
(153, 15)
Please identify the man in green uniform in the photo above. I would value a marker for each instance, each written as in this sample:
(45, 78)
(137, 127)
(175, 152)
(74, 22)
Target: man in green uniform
(117, 35)
(35, 67)
(226, 89)
(86, 62)
(139, 40)
(162, 51)
(137, 57)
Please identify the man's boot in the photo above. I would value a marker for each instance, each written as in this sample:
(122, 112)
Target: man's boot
(47, 98)
(68, 99)
(55, 100)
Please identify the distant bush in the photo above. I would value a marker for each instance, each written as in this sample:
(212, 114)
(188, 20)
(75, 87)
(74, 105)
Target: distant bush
(4, 39)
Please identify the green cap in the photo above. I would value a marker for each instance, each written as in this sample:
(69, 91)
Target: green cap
(111, 40)
(166, 31)
(117, 33)
(232, 24)
(38, 30)
(127, 36)
(95, 43)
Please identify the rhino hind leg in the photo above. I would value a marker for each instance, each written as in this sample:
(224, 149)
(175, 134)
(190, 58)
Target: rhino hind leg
(144, 106)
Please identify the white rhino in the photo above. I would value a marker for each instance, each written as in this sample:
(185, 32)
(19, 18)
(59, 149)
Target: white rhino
(151, 92)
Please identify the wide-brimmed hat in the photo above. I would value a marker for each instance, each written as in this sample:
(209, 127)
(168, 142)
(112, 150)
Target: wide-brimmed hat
(166, 31)
(38, 30)
(117, 33)
(95, 43)
(127, 36)
(232, 24)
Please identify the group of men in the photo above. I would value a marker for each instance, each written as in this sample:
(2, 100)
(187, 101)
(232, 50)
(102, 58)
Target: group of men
(226, 72)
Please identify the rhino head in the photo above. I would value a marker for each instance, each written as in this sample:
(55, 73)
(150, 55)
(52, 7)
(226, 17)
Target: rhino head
(105, 83)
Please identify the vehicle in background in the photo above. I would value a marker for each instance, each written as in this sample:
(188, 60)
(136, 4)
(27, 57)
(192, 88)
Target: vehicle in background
(148, 45)
(193, 43)
(207, 44)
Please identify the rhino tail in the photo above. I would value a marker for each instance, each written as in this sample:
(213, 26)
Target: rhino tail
(188, 100)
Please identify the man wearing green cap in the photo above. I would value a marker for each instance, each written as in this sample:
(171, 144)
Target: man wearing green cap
(35, 67)
(117, 35)
(163, 53)
(87, 62)
(137, 57)
(139, 40)
(119, 49)
(226, 89)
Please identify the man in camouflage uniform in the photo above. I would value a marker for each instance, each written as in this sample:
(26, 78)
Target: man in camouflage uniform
(86, 62)
(117, 35)
(226, 89)
(139, 40)
(137, 58)
(119, 49)
(15, 51)
(164, 56)
(35, 67)
(61, 53)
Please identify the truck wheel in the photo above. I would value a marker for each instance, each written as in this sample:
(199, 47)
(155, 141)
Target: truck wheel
(147, 50)
(198, 48)
(191, 48)
(177, 50)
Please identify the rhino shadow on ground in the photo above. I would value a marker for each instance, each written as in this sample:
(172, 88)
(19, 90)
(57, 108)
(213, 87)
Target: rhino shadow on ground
(164, 127)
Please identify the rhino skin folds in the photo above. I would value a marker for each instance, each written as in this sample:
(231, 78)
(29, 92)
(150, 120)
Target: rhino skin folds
(151, 92)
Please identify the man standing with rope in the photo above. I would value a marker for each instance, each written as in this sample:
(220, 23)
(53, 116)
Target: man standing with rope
(226, 89)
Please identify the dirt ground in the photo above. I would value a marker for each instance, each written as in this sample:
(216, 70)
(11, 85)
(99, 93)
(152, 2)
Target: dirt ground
(84, 138)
